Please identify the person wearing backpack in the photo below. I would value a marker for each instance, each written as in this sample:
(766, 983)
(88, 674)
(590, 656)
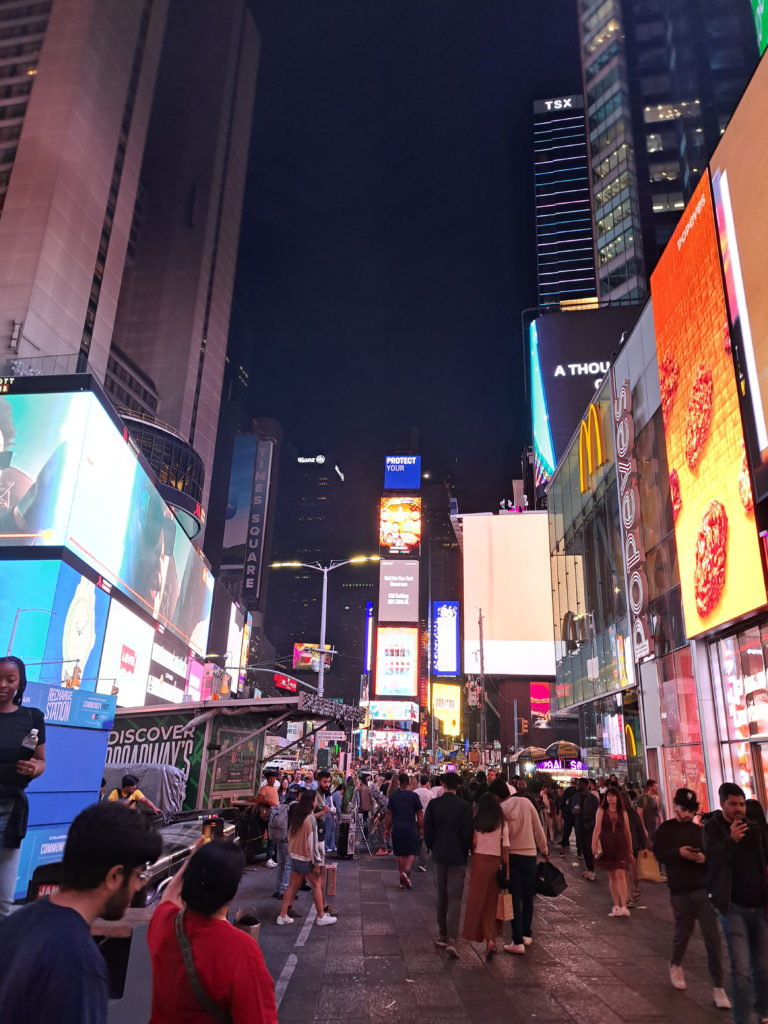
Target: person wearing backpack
(278, 833)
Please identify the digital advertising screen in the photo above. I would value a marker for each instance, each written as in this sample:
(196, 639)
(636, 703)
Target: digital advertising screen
(235, 645)
(445, 638)
(718, 550)
(741, 195)
(570, 354)
(368, 651)
(239, 499)
(386, 739)
(760, 14)
(246, 646)
(400, 526)
(167, 678)
(402, 472)
(27, 591)
(126, 656)
(397, 661)
(446, 707)
(73, 480)
(398, 590)
(75, 632)
(394, 710)
(194, 688)
(507, 578)
(306, 657)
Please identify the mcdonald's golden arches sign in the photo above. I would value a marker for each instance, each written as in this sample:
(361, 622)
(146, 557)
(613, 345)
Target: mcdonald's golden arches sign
(591, 446)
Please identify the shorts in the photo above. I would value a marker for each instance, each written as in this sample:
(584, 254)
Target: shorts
(301, 867)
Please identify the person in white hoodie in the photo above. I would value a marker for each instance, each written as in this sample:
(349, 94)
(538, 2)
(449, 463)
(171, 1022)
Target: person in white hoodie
(526, 836)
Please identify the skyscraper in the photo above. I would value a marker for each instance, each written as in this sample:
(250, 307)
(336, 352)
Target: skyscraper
(76, 84)
(661, 80)
(564, 240)
(173, 315)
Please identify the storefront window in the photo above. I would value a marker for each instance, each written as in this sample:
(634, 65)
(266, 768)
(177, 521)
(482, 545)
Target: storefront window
(683, 755)
(739, 677)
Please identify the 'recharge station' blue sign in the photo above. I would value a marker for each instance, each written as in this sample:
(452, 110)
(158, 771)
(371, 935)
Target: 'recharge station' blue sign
(402, 472)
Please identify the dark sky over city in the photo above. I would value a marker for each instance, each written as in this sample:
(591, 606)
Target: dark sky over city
(388, 246)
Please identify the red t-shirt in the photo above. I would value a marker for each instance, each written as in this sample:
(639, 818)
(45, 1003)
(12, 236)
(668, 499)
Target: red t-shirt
(228, 962)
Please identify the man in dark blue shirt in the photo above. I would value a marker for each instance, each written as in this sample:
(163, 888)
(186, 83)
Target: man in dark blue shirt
(53, 972)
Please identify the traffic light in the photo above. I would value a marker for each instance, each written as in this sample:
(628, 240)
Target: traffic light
(523, 724)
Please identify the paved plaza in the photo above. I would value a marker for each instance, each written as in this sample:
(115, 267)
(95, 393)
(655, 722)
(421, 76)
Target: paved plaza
(379, 962)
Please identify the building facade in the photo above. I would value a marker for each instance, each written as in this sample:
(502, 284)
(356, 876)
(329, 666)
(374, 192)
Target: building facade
(564, 242)
(661, 81)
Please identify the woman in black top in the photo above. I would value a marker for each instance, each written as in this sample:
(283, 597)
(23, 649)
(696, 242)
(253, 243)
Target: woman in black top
(18, 766)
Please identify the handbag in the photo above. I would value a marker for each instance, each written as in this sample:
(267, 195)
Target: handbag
(212, 1009)
(505, 910)
(550, 881)
(502, 879)
(648, 867)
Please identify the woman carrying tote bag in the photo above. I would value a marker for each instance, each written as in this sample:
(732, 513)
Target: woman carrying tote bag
(490, 851)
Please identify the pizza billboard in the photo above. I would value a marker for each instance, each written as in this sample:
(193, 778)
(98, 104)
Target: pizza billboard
(718, 550)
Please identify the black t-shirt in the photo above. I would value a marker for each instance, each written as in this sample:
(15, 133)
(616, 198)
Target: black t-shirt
(53, 972)
(404, 805)
(14, 726)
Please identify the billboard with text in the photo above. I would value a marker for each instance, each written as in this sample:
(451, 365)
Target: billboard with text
(398, 590)
(397, 661)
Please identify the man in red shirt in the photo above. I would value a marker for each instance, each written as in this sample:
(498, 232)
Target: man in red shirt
(228, 968)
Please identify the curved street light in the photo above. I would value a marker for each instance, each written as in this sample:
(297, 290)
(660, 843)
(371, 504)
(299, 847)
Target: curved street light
(324, 569)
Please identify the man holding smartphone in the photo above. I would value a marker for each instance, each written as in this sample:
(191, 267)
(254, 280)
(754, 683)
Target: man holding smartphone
(737, 857)
(677, 845)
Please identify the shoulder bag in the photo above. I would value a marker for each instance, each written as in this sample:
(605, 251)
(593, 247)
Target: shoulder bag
(502, 879)
(212, 1009)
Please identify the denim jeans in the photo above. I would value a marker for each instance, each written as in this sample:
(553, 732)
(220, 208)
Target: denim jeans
(330, 834)
(746, 934)
(9, 868)
(522, 885)
(283, 869)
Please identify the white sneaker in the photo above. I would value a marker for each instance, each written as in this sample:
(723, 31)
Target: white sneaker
(614, 912)
(284, 920)
(527, 940)
(326, 919)
(271, 863)
(514, 947)
(722, 1002)
(624, 912)
(677, 977)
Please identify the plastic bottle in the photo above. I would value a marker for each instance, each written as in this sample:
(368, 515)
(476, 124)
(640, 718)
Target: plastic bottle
(30, 740)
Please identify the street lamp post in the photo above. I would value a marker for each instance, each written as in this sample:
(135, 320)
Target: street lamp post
(324, 569)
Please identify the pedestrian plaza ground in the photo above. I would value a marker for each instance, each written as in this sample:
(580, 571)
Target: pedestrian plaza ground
(378, 963)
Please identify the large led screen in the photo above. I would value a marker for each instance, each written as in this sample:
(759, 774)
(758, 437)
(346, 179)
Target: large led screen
(394, 710)
(445, 638)
(402, 472)
(741, 201)
(721, 573)
(446, 707)
(126, 657)
(507, 578)
(397, 661)
(306, 657)
(167, 678)
(27, 591)
(73, 480)
(398, 590)
(390, 739)
(400, 526)
(570, 354)
(235, 646)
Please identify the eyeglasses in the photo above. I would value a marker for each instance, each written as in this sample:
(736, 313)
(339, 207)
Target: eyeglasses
(143, 873)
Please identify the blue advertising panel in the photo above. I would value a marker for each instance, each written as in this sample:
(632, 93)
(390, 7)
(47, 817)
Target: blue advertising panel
(27, 591)
(239, 499)
(445, 638)
(402, 472)
(42, 845)
(75, 631)
(62, 705)
(68, 477)
(368, 656)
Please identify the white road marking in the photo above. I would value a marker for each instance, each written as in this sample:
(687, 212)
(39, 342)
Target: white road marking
(285, 977)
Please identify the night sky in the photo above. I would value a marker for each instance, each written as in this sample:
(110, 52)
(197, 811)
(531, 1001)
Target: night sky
(388, 246)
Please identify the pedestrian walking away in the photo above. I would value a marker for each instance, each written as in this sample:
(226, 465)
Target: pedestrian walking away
(526, 836)
(584, 806)
(490, 849)
(448, 835)
(405, 823)
(736, 857)
(678, 845)
(612, 848)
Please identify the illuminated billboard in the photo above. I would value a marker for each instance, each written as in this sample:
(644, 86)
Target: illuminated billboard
(400, 526)
(570, 354)
(760, 14)
(390, 739)
(741, 194)
(507, 578)
(445, 638)
(446, 707)
(397, 661)
(167, 678)
(398, 590)
(306, 657)
(721, 572)
(402, 472)
(126, 656)
(394, 710)
(73, 480)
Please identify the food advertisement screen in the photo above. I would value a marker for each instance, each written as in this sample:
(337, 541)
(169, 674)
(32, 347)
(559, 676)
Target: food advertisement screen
(400, 526)
(446, 706)
(397, 661)
(740, 186)
(721, 571)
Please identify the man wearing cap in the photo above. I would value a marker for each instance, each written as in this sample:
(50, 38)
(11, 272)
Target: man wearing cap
(677, 844)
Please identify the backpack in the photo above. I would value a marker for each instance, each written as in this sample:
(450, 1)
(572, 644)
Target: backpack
(278, 822)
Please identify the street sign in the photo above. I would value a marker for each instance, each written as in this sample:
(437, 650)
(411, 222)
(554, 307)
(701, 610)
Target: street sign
(331, 736)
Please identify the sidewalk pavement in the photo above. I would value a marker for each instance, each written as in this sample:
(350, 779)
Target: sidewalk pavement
(379, 964)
